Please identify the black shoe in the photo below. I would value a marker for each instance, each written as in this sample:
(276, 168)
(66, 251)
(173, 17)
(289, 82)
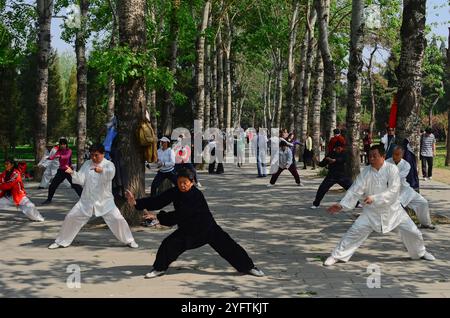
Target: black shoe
(40, 188)
(46, 202)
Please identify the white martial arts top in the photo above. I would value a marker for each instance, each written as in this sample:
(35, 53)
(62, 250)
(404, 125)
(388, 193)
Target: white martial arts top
(167, 157)
(97, 187)
(406, 192)
(385, 213)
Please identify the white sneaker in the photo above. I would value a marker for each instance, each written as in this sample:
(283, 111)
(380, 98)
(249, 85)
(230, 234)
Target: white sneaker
(430, 178)
(301, 184)
(428, 256)
(199, 185)
(270, 185)
(314, 207)
(330, 261)
(133, 245)
(255, 271)
(154, 274)
(54, 246)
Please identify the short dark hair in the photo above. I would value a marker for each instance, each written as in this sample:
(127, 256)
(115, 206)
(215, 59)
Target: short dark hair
(428, 130)
(186, 173)
(283, 143)
(380, 149)
(336, 131)
(63, 141)
(97, 147)
(10, 160)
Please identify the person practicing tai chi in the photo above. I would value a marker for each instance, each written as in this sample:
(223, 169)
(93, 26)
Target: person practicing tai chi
(378, 186)
(408, 196)
(96, 177)
(64, 155)
(336, 173)
(285, 161)
(166, 165)
(196, 227)
(12, 192)
(51, 167)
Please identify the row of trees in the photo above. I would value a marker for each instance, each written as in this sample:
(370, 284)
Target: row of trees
(228, 63)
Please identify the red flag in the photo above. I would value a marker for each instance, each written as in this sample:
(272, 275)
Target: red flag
(393, 115)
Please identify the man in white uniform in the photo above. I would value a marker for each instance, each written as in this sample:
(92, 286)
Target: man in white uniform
(408, 196)
(96, 178)
(378, 186)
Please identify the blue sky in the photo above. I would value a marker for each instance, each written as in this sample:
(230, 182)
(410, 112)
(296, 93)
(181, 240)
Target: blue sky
(435, 14)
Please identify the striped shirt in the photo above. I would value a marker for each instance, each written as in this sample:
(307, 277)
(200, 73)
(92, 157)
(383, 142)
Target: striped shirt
(426, 145)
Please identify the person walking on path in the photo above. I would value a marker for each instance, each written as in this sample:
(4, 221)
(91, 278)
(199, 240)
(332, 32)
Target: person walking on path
(427, 153)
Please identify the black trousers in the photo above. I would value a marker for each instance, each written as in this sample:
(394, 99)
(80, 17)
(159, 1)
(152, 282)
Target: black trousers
(159, 178)
(328, 182)
(178, 242)
(427, 161)
(212, 168)
(57, 180)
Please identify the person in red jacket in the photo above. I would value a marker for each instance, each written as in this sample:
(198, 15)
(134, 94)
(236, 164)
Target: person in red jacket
(12, 192)
(336, 138)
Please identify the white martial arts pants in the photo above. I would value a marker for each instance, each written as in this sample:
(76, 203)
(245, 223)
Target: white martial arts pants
(420, 205)
(76, 219)
(26, 206)
(361, 229)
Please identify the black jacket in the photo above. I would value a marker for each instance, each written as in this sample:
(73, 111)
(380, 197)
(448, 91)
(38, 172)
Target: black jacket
(337, 168)
(192, 214)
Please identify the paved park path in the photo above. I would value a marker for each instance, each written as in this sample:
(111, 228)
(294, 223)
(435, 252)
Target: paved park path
(285, 238)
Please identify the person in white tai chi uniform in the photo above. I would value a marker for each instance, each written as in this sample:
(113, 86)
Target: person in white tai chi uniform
(96, 177)
(408, 196)
(378, 186)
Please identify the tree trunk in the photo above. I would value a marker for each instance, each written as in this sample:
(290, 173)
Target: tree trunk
(80, 51)
(208, 81)
(300, 79)
(169, 104)
(279, 88)
(447, 93)
(219, 90)
(227, 71)
(316, 105)
(304, 90)
(291, 67)
(214, 114)
(44, 10)
(131, 106)
(354, 86)
(409, 72)
(111, 81)
(200, 66)
(372, 92)
(329, 94)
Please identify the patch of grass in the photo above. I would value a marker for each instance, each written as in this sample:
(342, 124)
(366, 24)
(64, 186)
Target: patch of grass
(439, 160)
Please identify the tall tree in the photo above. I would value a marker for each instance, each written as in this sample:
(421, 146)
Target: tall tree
(44, 10)
(447, 93)
(354, 85)
(131, 104)
(80, 52)
(291, 65)
(200, 65)
(409, 72)
(329, 94)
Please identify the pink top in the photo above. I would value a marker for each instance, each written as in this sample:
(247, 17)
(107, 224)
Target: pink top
(64, 158)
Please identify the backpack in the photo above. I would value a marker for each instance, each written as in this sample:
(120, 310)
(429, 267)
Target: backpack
(145, 134)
